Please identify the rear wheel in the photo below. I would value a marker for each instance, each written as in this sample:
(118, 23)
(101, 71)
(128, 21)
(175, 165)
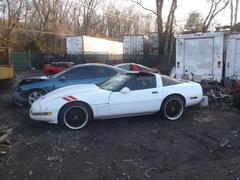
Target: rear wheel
(34, 95)
(75, 115)
(173, 108)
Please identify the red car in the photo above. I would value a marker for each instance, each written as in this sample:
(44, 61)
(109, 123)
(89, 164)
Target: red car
(56, 67)
(137, 67)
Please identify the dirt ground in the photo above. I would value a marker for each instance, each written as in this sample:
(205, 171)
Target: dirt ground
(204, 144)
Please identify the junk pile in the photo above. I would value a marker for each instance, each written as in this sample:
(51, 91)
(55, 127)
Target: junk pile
(223, 96)
(5, 146)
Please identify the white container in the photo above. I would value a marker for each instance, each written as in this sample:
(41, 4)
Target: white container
(134, 44)
(200, 56)
(91, 45)
(153, 43)
(232, 69)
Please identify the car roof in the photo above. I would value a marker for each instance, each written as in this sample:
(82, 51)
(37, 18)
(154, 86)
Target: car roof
(119, 70)
(125, 64)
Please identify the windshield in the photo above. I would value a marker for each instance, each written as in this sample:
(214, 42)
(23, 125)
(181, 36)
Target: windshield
(115, 83)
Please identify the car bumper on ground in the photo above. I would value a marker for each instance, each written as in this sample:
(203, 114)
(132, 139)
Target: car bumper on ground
(17, 98)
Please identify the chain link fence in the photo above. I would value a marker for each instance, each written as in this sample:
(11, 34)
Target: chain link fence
(26, 61)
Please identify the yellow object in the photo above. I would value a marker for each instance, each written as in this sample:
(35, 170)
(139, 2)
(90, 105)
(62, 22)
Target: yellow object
(6, 68)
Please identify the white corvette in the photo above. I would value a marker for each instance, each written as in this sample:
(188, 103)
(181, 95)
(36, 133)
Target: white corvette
(123, 95)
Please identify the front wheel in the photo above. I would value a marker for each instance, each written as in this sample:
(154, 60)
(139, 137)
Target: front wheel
(75, 115)
(34, 95)
(173, 108)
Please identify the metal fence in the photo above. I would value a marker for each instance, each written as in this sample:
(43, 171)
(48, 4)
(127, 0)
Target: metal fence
(25, 61)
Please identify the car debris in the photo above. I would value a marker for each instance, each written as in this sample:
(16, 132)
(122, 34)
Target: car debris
(5, 146)
(218, 97)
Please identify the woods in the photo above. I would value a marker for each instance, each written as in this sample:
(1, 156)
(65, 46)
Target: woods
(47, 22)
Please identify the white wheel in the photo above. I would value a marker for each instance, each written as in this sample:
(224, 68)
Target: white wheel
(34, 95)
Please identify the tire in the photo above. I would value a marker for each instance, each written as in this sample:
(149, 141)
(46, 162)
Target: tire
(75, 115)
(173, 108)
(33, 95)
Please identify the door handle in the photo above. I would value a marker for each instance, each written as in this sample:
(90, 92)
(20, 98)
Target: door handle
(154, 92)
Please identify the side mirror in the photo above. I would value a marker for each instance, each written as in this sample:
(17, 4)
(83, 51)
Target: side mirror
(125, 90)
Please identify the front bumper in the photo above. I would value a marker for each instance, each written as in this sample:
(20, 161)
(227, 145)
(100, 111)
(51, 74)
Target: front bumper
(47, 115)
(18, 99)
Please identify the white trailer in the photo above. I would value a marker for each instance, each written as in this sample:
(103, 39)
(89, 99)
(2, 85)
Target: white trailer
(153, 43)
(200, 56)
(92, 45)
(232, 68)
(134, 44)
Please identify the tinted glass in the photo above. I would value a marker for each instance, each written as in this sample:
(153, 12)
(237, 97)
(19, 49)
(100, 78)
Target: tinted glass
(104, 72)
(142, 82)
(167, 81)
(79, 73)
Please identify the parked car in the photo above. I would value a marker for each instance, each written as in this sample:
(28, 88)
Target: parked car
(123, 95)
(137, 67)
(56, 67)
(31, 89)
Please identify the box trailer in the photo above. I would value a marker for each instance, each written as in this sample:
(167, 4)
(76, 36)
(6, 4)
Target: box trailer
(153, 43)
(200, 56)
(232, 68)
(92, 45)
(134, 45)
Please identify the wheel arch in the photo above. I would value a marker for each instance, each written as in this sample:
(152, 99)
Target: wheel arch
(34, 89)
(90, 108)
(175, 94)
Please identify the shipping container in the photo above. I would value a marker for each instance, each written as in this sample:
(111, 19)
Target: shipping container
(232, 69)
(91, 45)
(134, 45)
(153, 43)
(200, 56)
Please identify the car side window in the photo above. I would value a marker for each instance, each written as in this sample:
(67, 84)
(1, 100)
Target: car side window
(167, 81)
(104, 72)
(142, 82)
(78, 73)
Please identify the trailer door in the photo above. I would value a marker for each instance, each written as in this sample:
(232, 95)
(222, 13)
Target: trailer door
(237, 58)
(198, 57)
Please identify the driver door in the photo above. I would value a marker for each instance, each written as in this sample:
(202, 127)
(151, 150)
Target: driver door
(143, 97)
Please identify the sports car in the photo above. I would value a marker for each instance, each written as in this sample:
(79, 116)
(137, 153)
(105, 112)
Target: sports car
(30, 89)
(56, 67)
(123, 95)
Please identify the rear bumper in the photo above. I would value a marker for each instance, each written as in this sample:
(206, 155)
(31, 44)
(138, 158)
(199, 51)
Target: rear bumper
(17, 98)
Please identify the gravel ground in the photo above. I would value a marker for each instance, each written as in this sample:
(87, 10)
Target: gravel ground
(204, 144)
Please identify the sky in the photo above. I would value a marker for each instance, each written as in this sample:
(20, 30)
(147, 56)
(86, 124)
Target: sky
(186, 6)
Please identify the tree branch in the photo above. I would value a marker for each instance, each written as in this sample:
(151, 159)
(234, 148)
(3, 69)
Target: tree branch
(140, 4)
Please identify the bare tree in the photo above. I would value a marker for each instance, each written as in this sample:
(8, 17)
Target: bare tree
(165, 34)
(13, 10)
(216, 7)
(234, 13)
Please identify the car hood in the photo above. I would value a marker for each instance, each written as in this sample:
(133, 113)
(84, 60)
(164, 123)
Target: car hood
(33, 80)
(78, 91)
